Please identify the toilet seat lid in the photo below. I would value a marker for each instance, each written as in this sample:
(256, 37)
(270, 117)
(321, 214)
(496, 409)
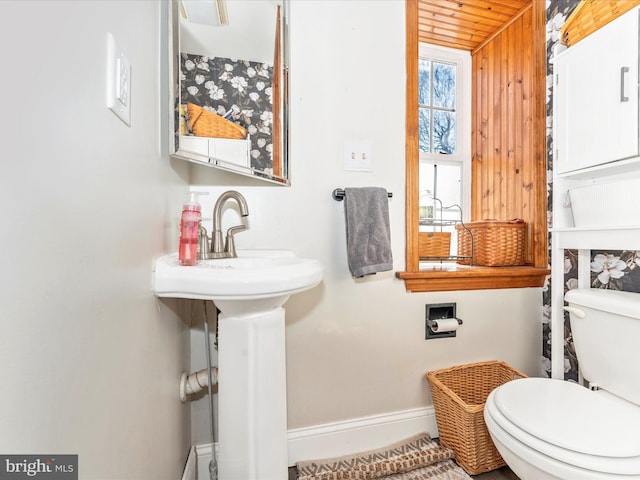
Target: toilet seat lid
(572, 417)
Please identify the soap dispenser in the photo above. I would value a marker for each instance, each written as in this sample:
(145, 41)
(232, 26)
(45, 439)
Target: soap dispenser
(189, 227)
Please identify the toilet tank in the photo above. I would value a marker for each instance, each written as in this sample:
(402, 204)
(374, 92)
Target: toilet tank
(606, 332)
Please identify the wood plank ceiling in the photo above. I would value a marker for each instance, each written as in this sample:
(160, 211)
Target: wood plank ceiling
(465, 24)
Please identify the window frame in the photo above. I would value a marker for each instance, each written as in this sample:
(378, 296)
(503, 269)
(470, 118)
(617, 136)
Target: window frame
(462, 60)
(470, 277)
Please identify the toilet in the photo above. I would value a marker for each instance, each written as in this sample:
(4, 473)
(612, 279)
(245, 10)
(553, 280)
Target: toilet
(554, 429)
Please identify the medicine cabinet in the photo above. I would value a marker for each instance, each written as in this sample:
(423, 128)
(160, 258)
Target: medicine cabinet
(231, 58)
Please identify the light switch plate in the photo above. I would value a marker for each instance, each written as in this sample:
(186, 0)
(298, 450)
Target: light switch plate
(357, 156)
(118, 81)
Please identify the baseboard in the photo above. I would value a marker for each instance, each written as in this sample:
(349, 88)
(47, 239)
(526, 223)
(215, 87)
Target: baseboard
(190, 468)
(344, 437)
(358, 434)
(203, 455)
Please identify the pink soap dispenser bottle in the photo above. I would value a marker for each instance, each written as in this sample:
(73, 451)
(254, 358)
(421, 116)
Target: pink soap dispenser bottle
(189, 226)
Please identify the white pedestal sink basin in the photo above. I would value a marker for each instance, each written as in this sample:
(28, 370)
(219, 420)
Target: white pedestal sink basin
(255, 281)
(252, 394)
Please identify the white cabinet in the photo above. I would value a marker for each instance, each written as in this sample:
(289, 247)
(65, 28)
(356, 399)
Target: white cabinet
(596, 97)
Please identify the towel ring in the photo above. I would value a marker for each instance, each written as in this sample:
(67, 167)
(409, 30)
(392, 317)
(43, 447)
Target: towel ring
(338, 194)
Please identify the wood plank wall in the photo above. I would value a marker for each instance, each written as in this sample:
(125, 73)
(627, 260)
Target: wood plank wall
(508, 137)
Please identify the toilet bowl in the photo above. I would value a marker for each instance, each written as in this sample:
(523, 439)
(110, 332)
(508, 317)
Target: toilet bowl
(552, 429)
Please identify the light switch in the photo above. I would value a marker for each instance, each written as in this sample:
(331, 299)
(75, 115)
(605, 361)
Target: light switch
(118, 81)
(357, 156)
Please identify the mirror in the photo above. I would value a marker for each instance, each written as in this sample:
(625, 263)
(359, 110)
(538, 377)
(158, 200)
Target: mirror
(228, 64)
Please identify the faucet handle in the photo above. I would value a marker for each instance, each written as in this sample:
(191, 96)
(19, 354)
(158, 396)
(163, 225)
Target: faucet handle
(203, 243)
(229, 243)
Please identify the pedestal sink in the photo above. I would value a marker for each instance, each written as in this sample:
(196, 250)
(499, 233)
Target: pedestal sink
(249, 291)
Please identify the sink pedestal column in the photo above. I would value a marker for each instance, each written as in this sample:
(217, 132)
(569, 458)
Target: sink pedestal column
(252, 396)
(249, 290)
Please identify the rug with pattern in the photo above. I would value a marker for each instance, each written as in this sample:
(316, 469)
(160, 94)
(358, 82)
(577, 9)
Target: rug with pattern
(415, 458)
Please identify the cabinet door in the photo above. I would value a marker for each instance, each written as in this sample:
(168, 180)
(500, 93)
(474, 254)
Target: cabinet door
(596, 97)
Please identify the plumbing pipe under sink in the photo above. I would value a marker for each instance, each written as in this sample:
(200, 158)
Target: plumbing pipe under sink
(196, 382)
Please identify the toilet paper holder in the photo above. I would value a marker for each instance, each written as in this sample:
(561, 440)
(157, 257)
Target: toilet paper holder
(441, 321)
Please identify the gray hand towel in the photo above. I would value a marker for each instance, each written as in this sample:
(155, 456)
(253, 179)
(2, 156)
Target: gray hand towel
(368, 238)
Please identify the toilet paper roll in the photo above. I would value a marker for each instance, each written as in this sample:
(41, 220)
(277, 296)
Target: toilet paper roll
(445, 325)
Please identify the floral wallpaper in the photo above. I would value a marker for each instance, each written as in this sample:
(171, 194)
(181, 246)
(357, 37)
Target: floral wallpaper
(615, 269)
(239, 88)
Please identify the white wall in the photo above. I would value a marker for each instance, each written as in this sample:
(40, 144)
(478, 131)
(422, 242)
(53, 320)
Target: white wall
(89, 359)
(356, 347)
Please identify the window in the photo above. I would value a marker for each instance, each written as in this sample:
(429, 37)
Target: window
(512, 60)
(444, 133)
(437, 97)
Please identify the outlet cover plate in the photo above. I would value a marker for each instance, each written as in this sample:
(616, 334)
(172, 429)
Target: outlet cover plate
(118, 81)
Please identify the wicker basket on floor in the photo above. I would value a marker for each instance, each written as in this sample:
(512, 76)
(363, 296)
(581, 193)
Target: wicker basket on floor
(204, 123)
(459, 394)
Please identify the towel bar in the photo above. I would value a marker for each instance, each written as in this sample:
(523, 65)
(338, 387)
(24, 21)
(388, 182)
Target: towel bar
(338, 194)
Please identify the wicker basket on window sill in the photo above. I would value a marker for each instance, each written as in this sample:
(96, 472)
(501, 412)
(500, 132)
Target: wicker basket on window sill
(204, 123)
(495, 243)
(434, 244)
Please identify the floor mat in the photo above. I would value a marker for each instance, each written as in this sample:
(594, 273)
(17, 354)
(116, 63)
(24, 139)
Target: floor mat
(415, 458)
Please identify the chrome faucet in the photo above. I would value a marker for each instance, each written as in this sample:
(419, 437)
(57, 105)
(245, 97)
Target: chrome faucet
(217, 248)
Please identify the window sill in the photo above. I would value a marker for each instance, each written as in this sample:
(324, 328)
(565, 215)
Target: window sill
(461, 277)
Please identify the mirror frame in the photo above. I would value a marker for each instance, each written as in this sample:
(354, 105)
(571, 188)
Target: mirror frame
(280, 103)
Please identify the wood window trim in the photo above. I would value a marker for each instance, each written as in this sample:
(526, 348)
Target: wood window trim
(473, 278)
(469, 277)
